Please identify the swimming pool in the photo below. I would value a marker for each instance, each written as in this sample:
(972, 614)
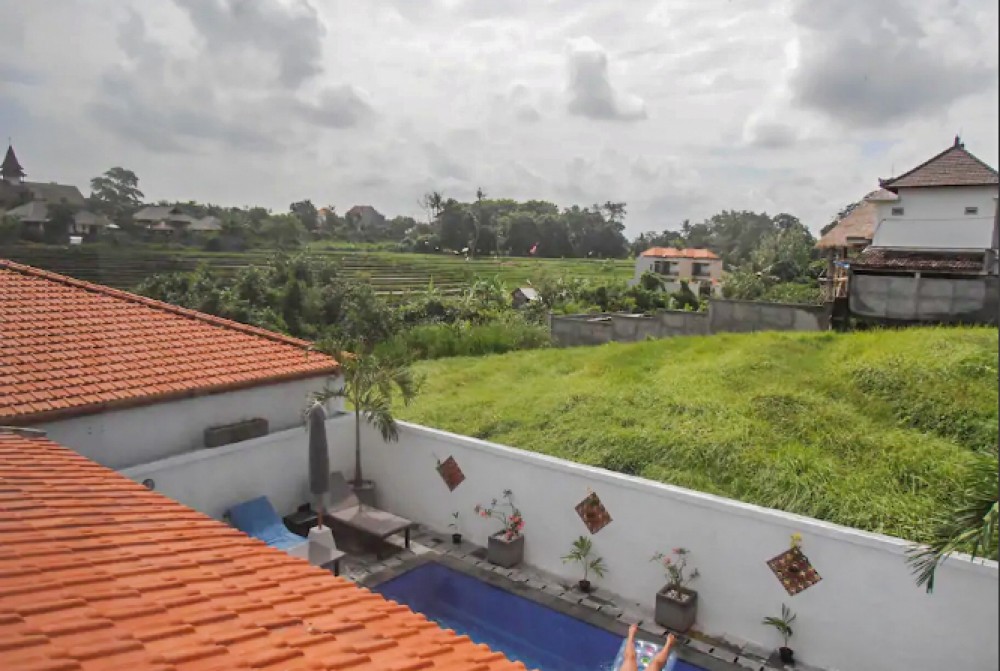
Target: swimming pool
(525, 631)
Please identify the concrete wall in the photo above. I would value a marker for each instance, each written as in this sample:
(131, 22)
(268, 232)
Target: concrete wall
(727, 316)
(907, 298)
(277, 465)
(723, 316)
(941, 203)
(866, 613)
(572, 330)
(123, 438)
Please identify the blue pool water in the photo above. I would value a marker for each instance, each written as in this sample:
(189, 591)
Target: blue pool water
(523, 630)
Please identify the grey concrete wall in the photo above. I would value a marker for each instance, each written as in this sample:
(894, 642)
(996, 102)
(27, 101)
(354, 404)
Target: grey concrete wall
(723, 316)
(934, 299)
(573, 330)
(727, 316)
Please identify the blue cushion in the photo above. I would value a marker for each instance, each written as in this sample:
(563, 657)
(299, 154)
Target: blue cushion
(258, 518)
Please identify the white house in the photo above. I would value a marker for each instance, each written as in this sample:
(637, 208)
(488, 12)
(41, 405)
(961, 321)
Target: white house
(953, 186)
(933, 255)
(700, 268)
(126, 380)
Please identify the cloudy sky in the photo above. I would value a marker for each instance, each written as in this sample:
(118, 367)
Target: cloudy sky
(680, 108)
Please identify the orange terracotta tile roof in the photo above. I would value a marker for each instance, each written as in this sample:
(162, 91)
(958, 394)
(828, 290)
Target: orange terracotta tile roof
(97, 572)
(955, 166)
(673, 253)
(69, 347)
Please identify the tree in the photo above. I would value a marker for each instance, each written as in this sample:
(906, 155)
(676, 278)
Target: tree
(284, 230)
(370, 382)
(969, 524)
(10, 229)
(60, 219)
(116, 193)
(306, 212)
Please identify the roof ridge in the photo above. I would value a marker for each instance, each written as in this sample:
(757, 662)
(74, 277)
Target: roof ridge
(155, 304)
(886, 183)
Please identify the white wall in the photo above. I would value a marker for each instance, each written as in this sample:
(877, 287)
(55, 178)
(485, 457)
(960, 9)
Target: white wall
(122, 438)
(277, 465)
(867, 613)
(941, 203)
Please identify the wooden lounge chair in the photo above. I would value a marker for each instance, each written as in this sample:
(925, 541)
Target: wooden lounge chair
(346, 509)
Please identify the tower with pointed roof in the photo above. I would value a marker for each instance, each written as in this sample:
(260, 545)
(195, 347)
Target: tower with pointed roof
(11, 170)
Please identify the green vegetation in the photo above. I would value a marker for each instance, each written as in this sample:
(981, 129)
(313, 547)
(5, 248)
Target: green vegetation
(389, 273)
(876, 430)
(310, 296)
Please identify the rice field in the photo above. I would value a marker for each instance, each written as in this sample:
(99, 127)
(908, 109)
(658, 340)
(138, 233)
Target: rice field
(872, 430)
(391, 273)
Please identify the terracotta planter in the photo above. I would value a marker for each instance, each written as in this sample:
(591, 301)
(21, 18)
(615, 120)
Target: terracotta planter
(676, 608)
(503, 552)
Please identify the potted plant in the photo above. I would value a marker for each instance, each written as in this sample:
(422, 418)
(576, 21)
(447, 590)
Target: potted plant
(676, 604)
(371, 383)
(505, 547)
(784, 626)
(456, 536)
(580, 553)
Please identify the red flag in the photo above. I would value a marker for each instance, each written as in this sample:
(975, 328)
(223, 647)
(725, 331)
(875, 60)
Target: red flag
(534, 248)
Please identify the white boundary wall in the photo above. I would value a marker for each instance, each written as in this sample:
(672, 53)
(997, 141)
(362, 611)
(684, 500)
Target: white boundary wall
(866, 613)
(213, 480)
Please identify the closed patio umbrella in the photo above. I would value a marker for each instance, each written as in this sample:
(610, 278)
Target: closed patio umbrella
(319, 458)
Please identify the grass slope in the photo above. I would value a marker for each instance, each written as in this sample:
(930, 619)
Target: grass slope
(871, 430)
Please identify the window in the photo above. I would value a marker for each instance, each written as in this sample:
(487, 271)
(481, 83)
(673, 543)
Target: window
(972, 210)
(663, 268)
(897, 211)
(701, 270)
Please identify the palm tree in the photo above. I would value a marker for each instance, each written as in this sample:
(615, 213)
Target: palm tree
(969, 525)
(371, 382)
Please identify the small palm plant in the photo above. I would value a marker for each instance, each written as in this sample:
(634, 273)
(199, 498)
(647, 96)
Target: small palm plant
(371, 384)
(783, 625)
(970, 524)
(581, 554)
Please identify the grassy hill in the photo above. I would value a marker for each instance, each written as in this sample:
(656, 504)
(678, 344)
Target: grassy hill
(389, 272)
(871, 430)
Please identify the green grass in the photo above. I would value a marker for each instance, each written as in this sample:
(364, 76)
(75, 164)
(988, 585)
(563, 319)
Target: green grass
(391, 273)
(873, 430)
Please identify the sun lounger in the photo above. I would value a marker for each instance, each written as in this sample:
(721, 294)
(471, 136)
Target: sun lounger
(346, 509)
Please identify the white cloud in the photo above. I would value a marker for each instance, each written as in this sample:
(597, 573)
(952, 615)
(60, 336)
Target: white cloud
(591, 93)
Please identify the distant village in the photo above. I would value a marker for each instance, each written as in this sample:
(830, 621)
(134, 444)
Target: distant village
(921, 247)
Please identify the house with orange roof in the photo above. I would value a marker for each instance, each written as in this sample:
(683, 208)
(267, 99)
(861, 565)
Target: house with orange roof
(127, 380)
(700, 268)
(99, 572)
